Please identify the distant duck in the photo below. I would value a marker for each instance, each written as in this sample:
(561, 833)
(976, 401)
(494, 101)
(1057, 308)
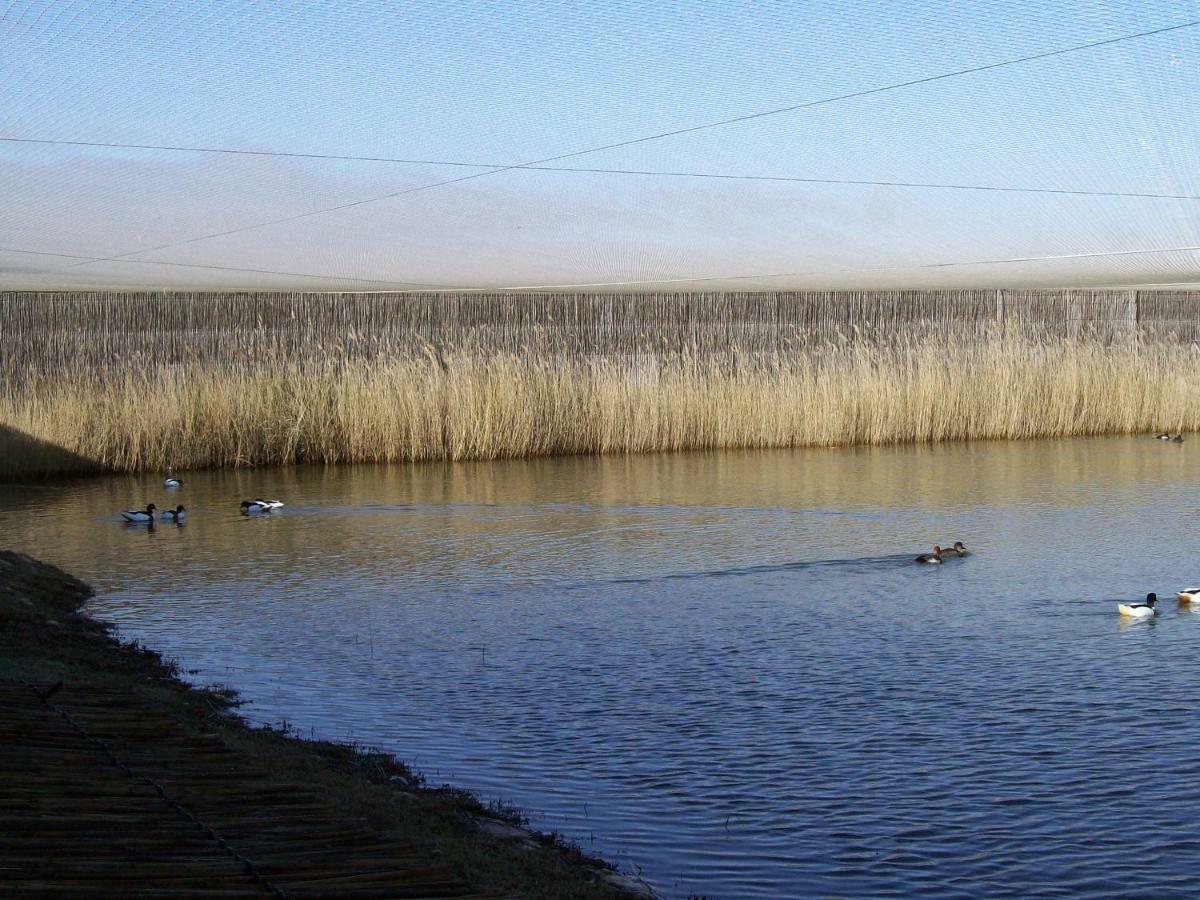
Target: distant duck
(173, 482)
(957, 550)
(140, 515)
(268, 504)
(1139, 610)
(1163, 437)
(934, 557)
(173, 515)
(1178, 439)
(1187, 595)
(254, 507)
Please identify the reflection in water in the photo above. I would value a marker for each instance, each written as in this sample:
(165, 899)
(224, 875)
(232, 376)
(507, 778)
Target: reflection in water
(721, 667)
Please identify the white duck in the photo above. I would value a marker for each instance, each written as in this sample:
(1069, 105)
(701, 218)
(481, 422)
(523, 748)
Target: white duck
(173, 515)
(1187, 595)
(172, 482)
(268, 504)
(255, 507)
(140, 515)
(1139, 610)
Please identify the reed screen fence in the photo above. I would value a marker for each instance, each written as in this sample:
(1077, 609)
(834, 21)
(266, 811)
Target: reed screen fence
(101, 330)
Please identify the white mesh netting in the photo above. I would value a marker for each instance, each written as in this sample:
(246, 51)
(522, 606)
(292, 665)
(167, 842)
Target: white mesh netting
(446, 145)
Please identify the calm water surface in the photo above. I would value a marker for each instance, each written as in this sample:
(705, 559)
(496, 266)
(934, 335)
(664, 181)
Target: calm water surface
(721, 670)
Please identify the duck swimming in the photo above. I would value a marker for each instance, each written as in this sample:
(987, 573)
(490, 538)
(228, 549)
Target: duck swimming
(1187, 595)
(1139, 610)
(1178, 439)
(140, 515)
(268, 504)
(254, 507)
(934, 557)
(959, 549)
(173, 515)
(172, 482)
(1163, 437)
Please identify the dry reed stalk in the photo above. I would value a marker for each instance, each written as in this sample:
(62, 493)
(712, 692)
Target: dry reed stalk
(483, 404)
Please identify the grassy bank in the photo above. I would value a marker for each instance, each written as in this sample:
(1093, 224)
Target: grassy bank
(44, 639)
(480, 405)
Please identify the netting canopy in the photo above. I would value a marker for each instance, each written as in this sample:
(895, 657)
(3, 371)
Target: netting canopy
(598, 145)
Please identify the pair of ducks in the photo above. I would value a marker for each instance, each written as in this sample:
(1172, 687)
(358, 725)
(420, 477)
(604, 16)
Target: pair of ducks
(1146, 610)
(939, 554)
(148, 514)
(1178, 439)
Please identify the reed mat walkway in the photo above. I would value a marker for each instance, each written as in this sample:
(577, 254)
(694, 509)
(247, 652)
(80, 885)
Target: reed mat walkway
(118, 780)
(103, 795)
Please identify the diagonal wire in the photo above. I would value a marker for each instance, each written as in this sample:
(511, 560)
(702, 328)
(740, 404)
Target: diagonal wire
(800, 179)
(1098, 254)
(443, 288)
(159, 262)
(836, 98)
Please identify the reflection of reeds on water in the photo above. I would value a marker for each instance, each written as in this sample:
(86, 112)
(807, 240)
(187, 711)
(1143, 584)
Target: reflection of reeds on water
(466, 403)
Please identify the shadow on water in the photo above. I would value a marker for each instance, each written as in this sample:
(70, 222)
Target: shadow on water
(24, 456)
(857, 564)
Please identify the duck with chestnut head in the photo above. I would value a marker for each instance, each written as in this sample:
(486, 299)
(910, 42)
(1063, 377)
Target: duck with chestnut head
(931, 558)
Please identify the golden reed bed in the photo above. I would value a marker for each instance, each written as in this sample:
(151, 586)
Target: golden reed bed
(490, 404)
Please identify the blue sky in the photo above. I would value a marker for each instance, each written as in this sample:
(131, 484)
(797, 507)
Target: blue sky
(503, 84)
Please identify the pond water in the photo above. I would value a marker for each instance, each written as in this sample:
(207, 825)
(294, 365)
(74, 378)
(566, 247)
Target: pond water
(722, 670)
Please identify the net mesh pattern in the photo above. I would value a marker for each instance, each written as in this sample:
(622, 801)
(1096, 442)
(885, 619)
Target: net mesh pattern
(583, 146)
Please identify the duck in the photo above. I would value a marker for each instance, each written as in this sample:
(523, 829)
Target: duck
(959, 549)
(140, 515)
(172, 482)
(254, 507)
(1139, 610)
(268, 504)
(173, 515)
(1178, 439)
(934, 557)
(1187, 595)
(1163, 437)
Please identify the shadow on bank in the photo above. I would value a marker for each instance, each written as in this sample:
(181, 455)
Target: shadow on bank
(25, 456)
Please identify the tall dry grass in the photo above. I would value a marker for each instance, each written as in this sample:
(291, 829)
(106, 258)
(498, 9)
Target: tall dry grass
(482, 405)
